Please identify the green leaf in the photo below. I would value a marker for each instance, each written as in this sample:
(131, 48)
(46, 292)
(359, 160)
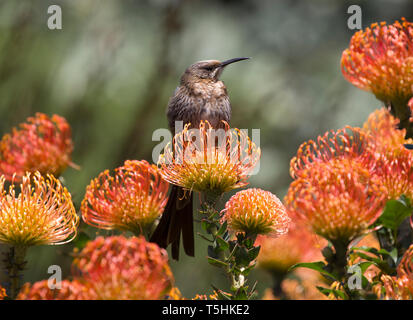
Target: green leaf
(395, 212)
(241, 294)
(224, 245)
(217, 263)
(318, 266)
(221, 294)
(253, 253)
(242, 257)
(337, 293)
(378, 253)
(222, 229)
(393, 254)
(382, 265)
(205, 225)
(364, 265)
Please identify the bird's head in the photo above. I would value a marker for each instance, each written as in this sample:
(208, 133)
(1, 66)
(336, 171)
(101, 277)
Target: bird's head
(207, 69)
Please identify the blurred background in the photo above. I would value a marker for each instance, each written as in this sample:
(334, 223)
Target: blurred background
(114, 64)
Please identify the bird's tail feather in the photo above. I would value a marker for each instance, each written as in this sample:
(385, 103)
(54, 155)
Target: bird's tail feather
(177, 218)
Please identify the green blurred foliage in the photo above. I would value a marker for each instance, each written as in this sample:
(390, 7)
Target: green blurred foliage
(113, 66)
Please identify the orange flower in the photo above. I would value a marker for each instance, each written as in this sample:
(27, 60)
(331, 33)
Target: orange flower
(386, 137)
(2, 293)
(41, 144)
(131, 200)
(339, 199)
(125, 269)
(202, 165)
(380, 60)
(69, 290)
(401, 287)
(394, 163)
(255, 211)
(39, 214)
(305, 287)
(346, 143)
(279, 254)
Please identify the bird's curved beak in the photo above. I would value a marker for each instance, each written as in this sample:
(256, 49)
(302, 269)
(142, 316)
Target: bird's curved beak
(227, 62)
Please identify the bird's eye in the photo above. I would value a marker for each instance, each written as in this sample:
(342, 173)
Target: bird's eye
(209, 68)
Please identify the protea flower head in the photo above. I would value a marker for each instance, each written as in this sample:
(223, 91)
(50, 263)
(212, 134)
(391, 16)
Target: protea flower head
(2, 293)
(256, 212)
(338, 199)
(383, 128)
(394, 163)
(67, 290)
(279, 254)
(125, 269)
(41, 144)
(346, 143)
(206, 166)
(131, 199)
(401, 287)
(41, 213)
(380, 59)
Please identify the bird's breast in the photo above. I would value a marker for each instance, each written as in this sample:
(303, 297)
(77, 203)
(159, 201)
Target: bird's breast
(209, 90)
(200, 101)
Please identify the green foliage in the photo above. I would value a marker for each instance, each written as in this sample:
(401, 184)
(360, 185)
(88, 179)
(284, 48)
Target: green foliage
(395, 212)
(236, 257)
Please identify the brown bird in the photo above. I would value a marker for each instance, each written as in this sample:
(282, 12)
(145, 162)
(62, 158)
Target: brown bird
(200, 96)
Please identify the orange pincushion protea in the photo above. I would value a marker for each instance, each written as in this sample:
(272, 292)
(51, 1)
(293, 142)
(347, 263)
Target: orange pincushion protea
(255, 211)
(346, 143)
(383, 128)
(400, 287)
(2, 293)
(338, 199)
(69, 290)
(41, 144)
(131, 200)
(125, 269)
(202, 165)
(394, 163)
(380, 60)
(279, 254)
(39, 214)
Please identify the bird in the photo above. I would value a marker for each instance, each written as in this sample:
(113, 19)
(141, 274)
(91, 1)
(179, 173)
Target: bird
(200, 96)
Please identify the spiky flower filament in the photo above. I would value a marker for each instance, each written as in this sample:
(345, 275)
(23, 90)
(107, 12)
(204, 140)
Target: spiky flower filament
(215, 161)
(256, 212)
(41, 213)
(66, 290)
(41, 144)
(380, 59)
(121, 268)
(401, 286)
(131, 199)
(346, 143)
(394, 163)
(338, 199)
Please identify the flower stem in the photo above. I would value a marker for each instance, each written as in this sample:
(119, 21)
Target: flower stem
(339, 263)
(237, 257)
(399, 109)
(15, 263)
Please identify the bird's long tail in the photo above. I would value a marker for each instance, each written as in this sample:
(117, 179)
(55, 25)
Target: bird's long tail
(177, 218)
